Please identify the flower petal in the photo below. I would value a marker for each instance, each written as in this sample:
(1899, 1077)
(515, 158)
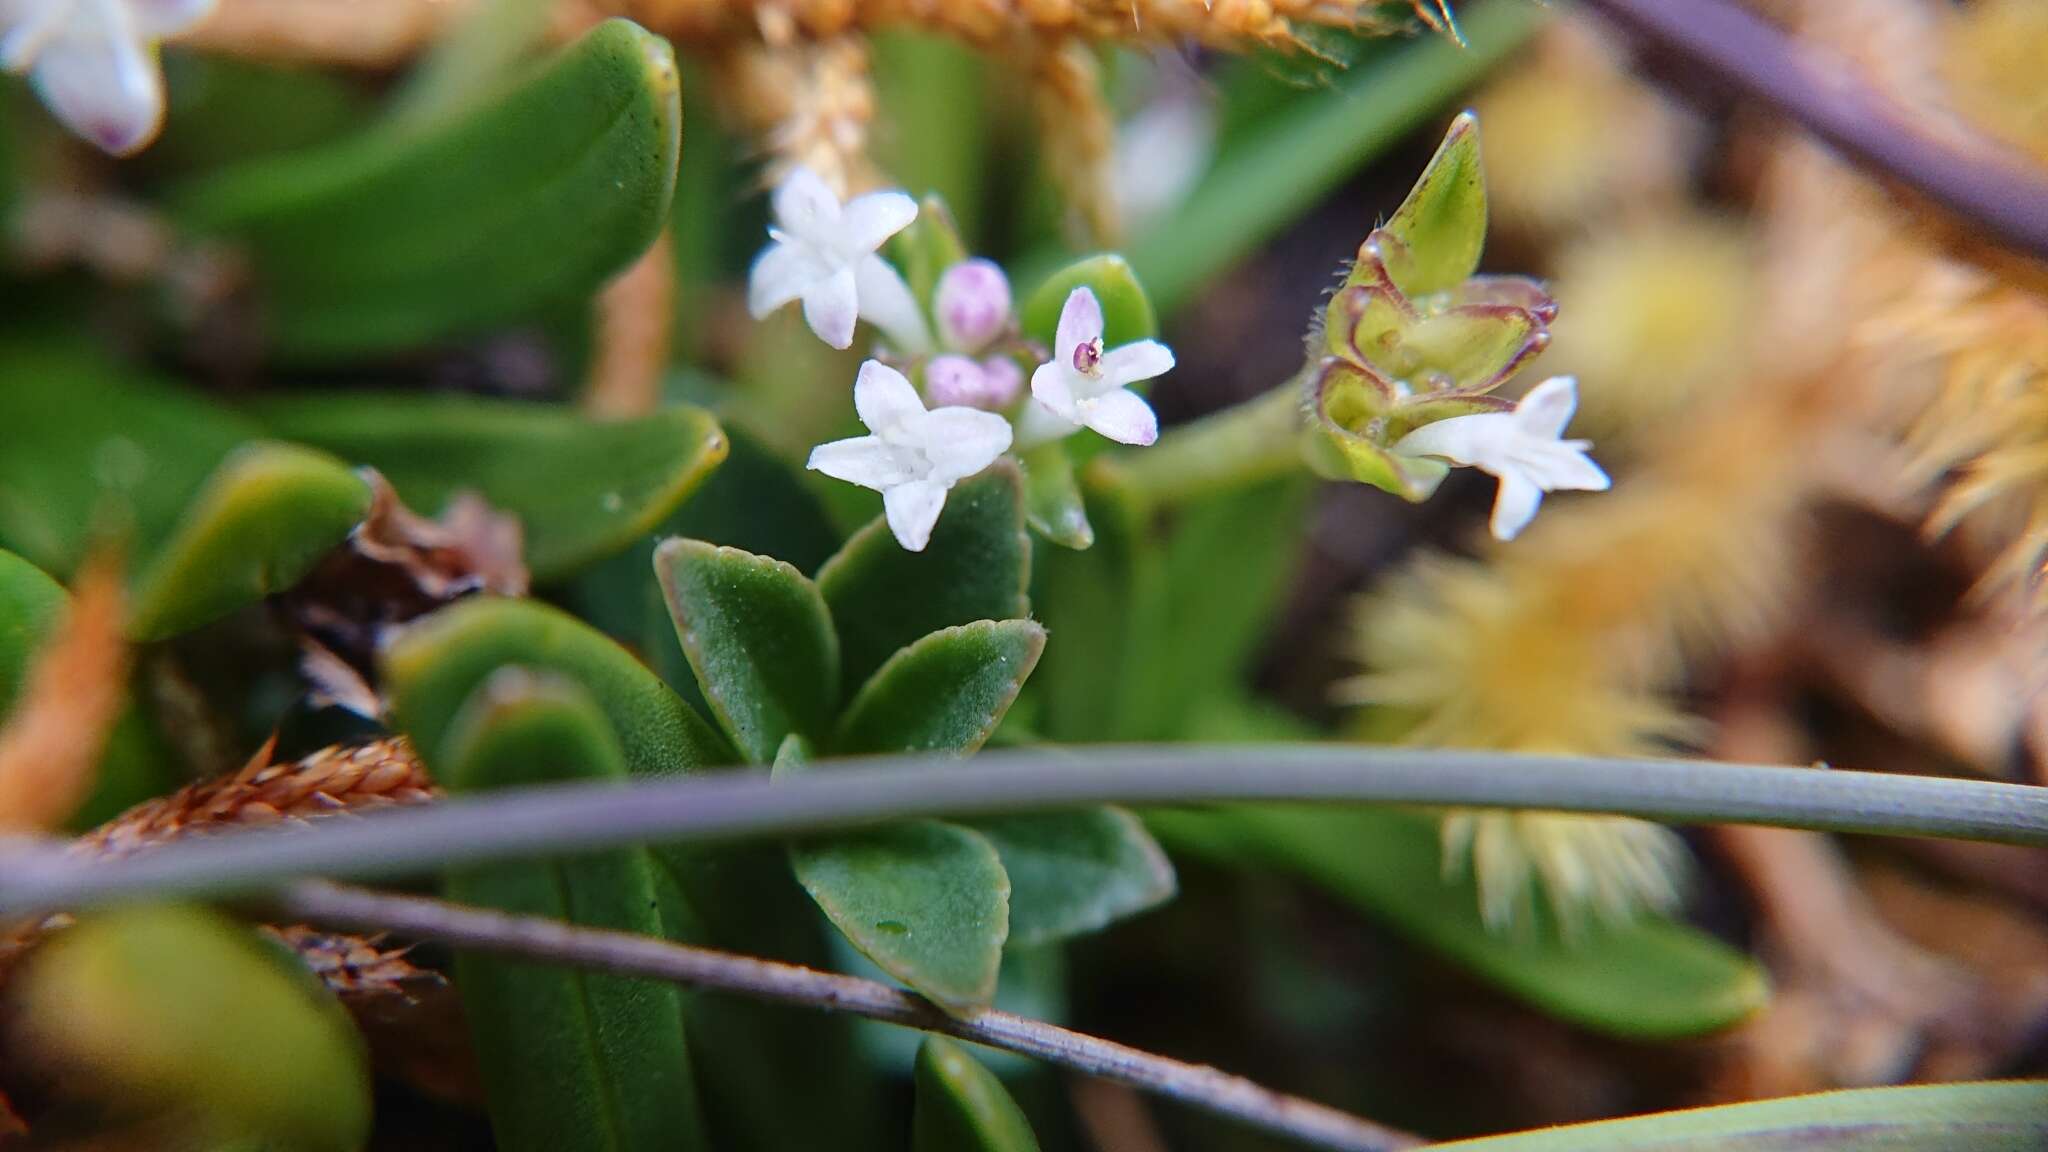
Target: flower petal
(99, 79)
(1567, 466)
(873, 218)
(1514, 505)
(863, 460)
(885, 400)
(1037, 424)
(1052, 385)
(1134, 362)
(29, 26)
(156, 19)
(1548, 407)
(831, 306)
(1460, 439)
(1123, 416)
(886, 302)
(912, 509)
(804, 206)
(962, 441)
(780, 274)
(1080, 322)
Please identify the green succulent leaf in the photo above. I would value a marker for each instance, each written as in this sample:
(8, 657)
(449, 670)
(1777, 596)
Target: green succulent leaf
(1649, 980)
(962, 1107)
(209, 518)
(1088, 599)
(583, 489)
(760, 640)
(1053, 504)
(399, 236)
(1433, 242)
(946, 692)
(182, 1008)
(262, 520)
(570, 1059)
(1072, 873)
(1126, 311)
(975, 568)
(1998, 1117)
(225, 110)
(927, 901)
(439, 662)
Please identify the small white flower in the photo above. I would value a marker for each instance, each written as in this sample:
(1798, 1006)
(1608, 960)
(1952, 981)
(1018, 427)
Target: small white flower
(1521, 447)
(1086, 386)
(914, 457)
(824, 254)
(93, 62)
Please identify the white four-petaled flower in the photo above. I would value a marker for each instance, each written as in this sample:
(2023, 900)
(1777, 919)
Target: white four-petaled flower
(914, 456)
(1522, 448)
(1087, 386)
(93, 62)
(824, 255)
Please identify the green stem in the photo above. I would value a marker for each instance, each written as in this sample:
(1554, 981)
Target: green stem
(1259, 439)
(733, 806)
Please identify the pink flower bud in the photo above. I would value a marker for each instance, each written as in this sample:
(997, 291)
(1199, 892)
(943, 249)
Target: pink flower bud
(972, 305)
(959, 382)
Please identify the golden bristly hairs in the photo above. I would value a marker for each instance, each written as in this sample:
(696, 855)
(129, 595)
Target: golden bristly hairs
(1572, 139)
(1569, 640)
(811, 104)
(1077, 132)
(333, 781)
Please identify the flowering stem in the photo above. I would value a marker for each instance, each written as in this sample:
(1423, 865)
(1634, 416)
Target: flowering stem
(553, 942)
(1257, 440)
(738, 805)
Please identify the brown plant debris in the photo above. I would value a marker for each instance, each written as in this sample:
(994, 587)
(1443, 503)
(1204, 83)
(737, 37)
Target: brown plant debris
(1078, 134)
(50, 746)
(395, 566)
(633, 328)
(811, 104)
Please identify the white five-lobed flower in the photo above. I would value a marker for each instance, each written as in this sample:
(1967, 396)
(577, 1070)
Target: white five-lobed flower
(1088, 386)
(1522, 448)
(94, 63)
(824, 254)
(913, 457)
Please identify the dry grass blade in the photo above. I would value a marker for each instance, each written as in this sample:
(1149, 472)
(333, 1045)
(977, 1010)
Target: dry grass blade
(50, 746)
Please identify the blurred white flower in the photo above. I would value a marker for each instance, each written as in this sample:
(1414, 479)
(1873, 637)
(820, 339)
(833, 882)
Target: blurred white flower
(914, 456)
(94, 63)
(1161, 155)
(1087, 386)
(824, 253)
(1522, 448)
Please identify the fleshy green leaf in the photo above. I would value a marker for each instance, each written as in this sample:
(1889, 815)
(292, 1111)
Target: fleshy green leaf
(962, 1107)
(946, 692)
(209, 520)
(182, 1009)
(760, 640)
(264, 518)
(582, 489)
(225, 110)
(570, 1059)
(974, 568)
(927, 901)
(1087, 600)
(1072, 873)
(441, 660)
(1126, 311)
(1052, 497)
(1999, 1117)
(397, 237)
(1436, 235)
(1650, 980)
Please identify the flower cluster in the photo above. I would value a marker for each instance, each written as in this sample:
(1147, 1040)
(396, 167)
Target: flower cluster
(963, 345)
(93, 62)
(1413, 345)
